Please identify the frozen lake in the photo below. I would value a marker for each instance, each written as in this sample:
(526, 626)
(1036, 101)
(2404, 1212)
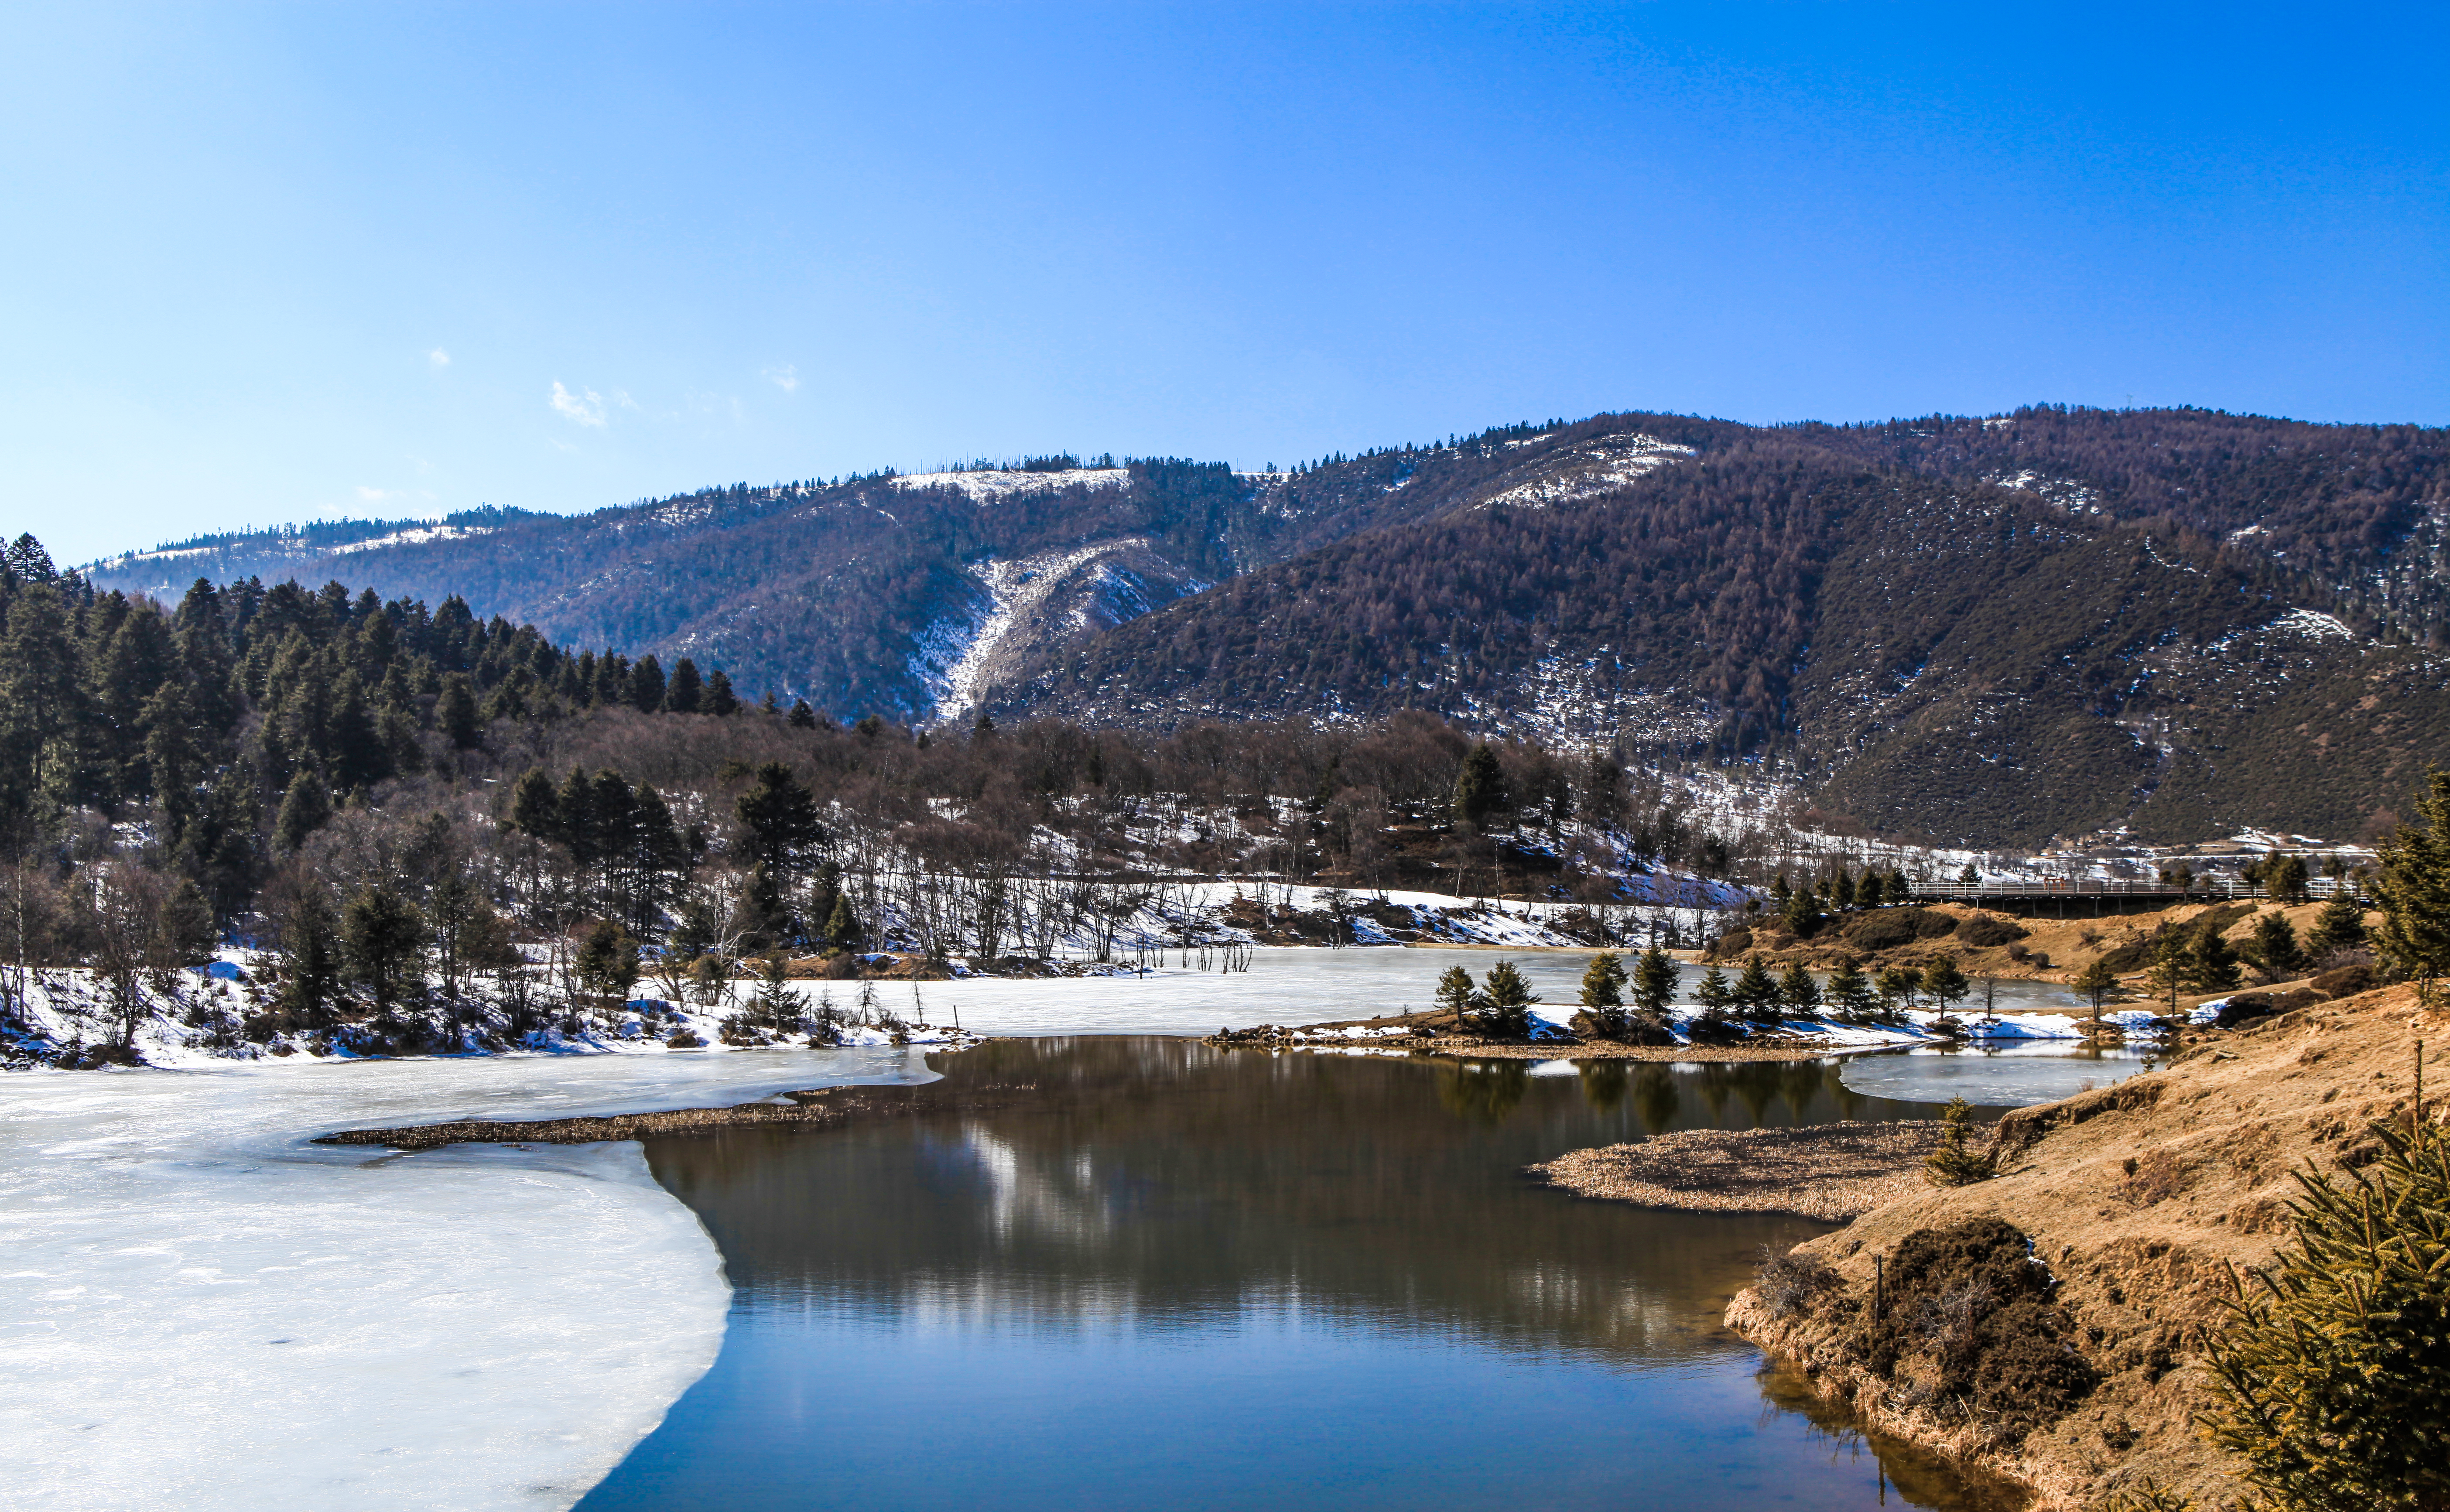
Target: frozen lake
(212, 1313)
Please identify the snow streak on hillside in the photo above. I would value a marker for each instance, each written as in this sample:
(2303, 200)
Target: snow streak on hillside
(1599, 466)
(990, 486)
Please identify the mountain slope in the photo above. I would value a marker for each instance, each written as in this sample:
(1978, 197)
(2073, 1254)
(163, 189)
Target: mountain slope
(1987, 630)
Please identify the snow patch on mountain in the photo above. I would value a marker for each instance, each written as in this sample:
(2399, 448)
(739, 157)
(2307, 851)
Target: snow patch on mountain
(990, 486)
(1597, 466)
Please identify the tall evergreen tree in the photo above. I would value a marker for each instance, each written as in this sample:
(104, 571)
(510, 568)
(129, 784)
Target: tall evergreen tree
(1480, 789)
(682, 694)
(1654, 984)
(303, 809)
(2413, 888)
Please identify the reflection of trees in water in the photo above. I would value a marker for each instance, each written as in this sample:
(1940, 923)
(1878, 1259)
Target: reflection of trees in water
(1484, 1091)
(1604, 1084)
(1657, 1100)
(1153, 1179)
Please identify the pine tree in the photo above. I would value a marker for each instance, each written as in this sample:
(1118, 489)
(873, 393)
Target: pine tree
(1898, 988)
(1842, 892)
(607, 963)
(1505, 1000)
(535, 808)
(1953, 1164)
(1798, 992)
(1755, 991)
(1713, 992)
(2340, 926)
(303, 809)
(2413, 888)
(2211, 963)
(1602, 993)
(2096, 982)
(2328, 1380)
(842, 925)
(1457, 995)
(1654, 984)
(2276, 949)
(684, 692)
(2167, 976)
(1480, 788)
(1850, 993)
(801, 716)
(310, 970)
(381, 936)
(647, 684)
(781, 817)
(1869, 892)
(720, 700)
(1946, 983)
(454, 713)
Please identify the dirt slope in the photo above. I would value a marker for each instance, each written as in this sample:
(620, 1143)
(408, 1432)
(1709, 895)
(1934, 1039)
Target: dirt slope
(2138, 1198)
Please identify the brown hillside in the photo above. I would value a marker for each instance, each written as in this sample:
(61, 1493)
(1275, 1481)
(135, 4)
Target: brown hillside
(2138, 1198)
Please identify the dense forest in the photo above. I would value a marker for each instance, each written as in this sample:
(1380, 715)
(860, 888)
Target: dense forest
(1987, 631)
(394, 800)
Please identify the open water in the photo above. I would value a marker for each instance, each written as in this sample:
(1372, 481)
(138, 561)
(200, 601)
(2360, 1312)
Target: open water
(1192, 1278)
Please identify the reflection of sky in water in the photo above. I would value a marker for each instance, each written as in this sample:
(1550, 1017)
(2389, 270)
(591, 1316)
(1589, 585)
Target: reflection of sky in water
(2011, 1076)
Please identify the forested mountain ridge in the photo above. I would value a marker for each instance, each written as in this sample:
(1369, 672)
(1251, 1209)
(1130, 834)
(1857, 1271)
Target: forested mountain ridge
(1989, 630)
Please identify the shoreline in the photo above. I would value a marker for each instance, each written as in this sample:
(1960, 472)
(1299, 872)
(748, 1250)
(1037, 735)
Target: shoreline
(815, 1108)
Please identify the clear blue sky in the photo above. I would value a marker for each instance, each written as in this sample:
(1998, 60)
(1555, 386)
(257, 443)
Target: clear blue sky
(273, 263)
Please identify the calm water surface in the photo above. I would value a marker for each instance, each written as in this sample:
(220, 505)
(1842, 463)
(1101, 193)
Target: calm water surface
(1187, 1278)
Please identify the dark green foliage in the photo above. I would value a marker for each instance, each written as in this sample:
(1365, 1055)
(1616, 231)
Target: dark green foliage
(607, 961)
(303, 809)
(1713, 992)
(1946, 983)
(1798, 992)
(2414, 890)
(780, 814)
(1480, 789)
(1955, 1164)
(1755, 991)
(1976, 1324)
(1654, 984)
(842, 925)
(1850, 993)
(310, 961)
(2276, 948)
(381, 936)
(686, 691)
(2332, 1379)
(2211, 963)
(1505, 1002)
(2340, 926)
(1456, 994)
(1602, 995)
(454, 711)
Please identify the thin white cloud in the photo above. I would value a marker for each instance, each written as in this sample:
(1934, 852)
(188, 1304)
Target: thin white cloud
(438, 358)
(786, 378)
(586, 407)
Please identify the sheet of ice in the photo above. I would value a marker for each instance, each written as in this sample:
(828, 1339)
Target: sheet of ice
(2004, 1074)
(210, 1313)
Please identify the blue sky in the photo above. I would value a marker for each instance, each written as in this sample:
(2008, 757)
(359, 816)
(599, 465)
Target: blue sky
(274, 263)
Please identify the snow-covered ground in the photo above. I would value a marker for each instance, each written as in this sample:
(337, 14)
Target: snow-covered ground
(210, 1313)
(992, 485)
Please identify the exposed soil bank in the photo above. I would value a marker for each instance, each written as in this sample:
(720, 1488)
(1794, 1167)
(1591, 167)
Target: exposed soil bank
(1832, 1172)
(817, 1109)
(2138, 1198)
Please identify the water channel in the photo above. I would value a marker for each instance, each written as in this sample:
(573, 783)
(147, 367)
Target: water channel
(1183, 1277)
